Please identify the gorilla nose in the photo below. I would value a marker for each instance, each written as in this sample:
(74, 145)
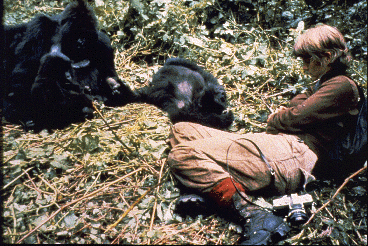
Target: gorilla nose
(54, 63)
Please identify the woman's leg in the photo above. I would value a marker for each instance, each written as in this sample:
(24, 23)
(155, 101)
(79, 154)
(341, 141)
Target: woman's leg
(187, 131)
(203, 162)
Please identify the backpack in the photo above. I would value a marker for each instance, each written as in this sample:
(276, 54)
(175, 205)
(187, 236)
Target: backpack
(350, 148)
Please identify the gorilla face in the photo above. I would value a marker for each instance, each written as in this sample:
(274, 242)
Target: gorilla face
(57, 92)
(188, 93)
(56, 66)
(214, 96)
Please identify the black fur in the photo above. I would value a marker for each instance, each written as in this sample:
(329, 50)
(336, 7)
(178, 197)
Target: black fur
(55, 66)
(188, 93)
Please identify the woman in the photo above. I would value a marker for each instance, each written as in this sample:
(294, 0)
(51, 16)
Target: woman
(295, 139)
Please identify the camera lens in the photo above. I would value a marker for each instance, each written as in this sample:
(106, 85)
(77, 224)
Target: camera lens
(297, 214)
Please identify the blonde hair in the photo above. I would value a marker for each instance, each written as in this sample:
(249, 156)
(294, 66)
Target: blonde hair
(323, 41)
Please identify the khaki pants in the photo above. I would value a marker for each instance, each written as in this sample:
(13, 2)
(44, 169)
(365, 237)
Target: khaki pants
(200, 155)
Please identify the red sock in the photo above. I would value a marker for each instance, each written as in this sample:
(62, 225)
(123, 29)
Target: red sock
(223, 192)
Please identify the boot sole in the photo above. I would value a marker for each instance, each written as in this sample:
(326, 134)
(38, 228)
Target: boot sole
(280, 232)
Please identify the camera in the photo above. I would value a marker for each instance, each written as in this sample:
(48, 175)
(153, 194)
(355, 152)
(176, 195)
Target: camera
(295, 205)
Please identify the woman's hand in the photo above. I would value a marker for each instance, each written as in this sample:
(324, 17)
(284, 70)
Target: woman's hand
(271, 129)
(276, 111)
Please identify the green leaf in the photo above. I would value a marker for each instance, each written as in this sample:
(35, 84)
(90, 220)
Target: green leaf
(39, 220)
(61, 161)
(71, 220)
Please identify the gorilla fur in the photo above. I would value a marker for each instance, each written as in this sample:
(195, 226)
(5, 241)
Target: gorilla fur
(188, 93)
(55, 66)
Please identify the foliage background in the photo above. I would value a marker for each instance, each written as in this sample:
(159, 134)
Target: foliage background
(83, 179)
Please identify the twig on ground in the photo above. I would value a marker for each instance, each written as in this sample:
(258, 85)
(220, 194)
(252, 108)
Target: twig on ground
(134, 204)
(155, 205)
(24, 172)
(120, 235)
(336, 193)
(267, 105)
(129, 209)
(75, 201)
(113, 132)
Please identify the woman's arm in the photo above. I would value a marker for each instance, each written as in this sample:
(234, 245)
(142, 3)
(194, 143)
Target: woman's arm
(335, 97)
(300, 98)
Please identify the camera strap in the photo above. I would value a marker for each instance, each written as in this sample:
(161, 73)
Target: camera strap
(264, 159)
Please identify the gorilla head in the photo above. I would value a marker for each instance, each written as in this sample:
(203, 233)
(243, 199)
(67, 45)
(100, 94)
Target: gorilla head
(188, 93)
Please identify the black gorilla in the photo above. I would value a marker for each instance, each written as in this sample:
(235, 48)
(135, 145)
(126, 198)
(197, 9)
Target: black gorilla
(188, 93)
(55, 66)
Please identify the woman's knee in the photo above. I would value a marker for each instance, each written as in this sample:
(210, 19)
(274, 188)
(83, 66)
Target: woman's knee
(182, 162)
(178, 155)
(194, 169)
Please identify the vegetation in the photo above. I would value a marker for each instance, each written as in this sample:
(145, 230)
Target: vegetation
(107, 182)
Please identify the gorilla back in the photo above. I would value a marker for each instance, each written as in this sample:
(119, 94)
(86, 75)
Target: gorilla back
(188, 93)
(55, 66)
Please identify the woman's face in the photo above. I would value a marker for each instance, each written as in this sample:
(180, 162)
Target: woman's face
(315, 68)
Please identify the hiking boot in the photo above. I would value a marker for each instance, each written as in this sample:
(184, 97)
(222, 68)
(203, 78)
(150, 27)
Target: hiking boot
(260, 226)
(263, 228)
(192, 205)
